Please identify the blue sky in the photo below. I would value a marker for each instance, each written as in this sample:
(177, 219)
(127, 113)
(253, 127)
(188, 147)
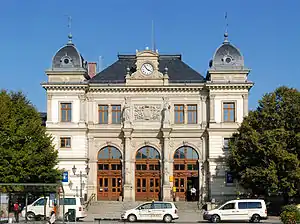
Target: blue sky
(266, 31)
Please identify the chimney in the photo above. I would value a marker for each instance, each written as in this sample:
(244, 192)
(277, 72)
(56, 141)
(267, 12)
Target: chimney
(92, 69)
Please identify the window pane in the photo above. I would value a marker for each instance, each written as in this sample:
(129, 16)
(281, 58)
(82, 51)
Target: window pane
(103, 114)
(229, 112)
(179, 114)
(252, 205)
(104, 154)
(116, 114)
(147, 152)
(242, 205)
(229, 206)
(66, 112)
(192, 114)
(115, 153)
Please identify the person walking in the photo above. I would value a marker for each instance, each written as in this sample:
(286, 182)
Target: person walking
(16, 209)
(193, 193)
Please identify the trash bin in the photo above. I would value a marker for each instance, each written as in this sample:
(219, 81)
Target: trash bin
(71, 215)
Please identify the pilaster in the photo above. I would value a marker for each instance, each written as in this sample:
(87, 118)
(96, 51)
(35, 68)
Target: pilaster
(212, 109)
(128, 194)
(204, 111)
(185, 114)
(91, 178)
(166, 166)
(49, 108)
(109, 118)
(90, 117)
(82, 99)
(245, 104)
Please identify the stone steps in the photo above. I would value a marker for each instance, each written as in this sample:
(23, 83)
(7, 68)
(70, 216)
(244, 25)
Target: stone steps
(115, 208)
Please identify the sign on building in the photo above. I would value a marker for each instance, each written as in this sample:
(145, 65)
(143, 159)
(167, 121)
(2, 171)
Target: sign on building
(65, 177)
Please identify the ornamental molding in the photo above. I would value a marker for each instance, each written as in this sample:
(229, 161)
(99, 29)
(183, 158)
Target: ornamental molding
(147, 112)
(230, 86)
(120, 89)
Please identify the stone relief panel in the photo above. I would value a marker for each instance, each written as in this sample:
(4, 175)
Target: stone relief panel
(147, 112)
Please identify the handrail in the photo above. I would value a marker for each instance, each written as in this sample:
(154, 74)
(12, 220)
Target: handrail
(89, 201)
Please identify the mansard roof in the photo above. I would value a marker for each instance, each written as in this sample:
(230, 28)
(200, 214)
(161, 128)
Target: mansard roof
(178, 71)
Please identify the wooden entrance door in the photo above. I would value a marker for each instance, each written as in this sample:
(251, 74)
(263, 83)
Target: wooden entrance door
(147, 174)
(147, 188)
(109, 186)
(186, 173)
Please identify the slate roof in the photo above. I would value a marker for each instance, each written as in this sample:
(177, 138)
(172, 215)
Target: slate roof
(178, 71)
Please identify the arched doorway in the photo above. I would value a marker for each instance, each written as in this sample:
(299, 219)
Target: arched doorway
(147, 174)
(109, 174)
(186, 172)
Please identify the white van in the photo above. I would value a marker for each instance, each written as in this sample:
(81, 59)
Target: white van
(37, 208)
(162, 211)
(252, 210)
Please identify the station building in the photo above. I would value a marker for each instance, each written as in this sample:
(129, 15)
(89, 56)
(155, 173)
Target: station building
(148, 126)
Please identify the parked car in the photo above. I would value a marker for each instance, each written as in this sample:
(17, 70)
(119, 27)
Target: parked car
(252, 210)
(36, 209)
(159, 211)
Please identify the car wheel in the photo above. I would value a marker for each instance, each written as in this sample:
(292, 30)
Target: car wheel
(30, 216)
(215, 219)
(131, 218)
(168, 218)
(255, 218)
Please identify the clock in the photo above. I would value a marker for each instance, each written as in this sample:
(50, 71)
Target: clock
(147, 69)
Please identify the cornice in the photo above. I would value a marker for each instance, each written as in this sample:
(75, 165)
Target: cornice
(64, 86)
(116, 88)
(229, 85)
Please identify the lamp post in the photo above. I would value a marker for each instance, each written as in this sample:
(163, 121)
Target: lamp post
(87, 170)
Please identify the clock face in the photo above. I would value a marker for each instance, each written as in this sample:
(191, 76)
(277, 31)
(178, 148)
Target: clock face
(147, 69)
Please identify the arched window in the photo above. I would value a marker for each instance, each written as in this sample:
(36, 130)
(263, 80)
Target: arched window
(147, 152)
(147, 158)
(109, 152)
(186, 152)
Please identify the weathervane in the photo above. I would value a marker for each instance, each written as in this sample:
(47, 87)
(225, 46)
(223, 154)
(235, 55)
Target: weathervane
(70, 26)
(226, 28)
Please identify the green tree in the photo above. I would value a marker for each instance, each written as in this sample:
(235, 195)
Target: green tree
(26, 151)
(265, 152)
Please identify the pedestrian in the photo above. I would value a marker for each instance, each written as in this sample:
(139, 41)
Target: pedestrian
(52, 218)
(16, 209)
(193, 193)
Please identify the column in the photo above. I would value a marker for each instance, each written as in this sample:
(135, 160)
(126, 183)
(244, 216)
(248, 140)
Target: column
(82, 108)
(127, 178)
(49, 108)
(166, 169)
(212, 108)
(203, 111)
(245, 104)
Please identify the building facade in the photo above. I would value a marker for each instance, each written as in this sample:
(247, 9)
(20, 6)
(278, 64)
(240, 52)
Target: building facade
(148, 126)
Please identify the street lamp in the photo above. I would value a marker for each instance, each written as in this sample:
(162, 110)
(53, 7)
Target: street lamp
(87, 170)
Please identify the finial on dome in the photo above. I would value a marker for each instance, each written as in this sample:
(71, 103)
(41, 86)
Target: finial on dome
(226, 30)
(69, 26)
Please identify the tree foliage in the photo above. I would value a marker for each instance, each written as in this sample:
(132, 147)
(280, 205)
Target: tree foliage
(26, 151)
(265, 152)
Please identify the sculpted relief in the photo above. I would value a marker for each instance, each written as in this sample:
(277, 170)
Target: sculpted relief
(147, 112)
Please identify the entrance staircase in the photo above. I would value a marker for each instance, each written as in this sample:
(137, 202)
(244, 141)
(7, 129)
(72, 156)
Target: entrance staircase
(113, 209)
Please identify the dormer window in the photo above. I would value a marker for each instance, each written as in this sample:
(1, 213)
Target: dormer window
(66, 61)
(227, 59)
